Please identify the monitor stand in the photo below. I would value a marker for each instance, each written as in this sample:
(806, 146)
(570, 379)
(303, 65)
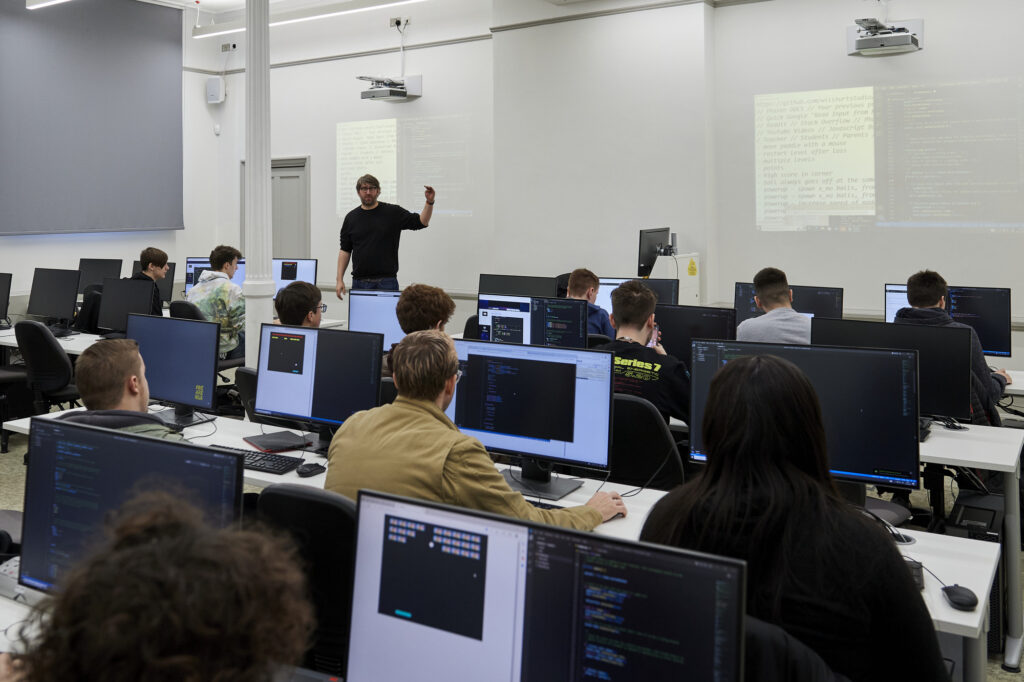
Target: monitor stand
(5, 323)
(183, 416)
(536, 481)
(321, 442)
(61, 328)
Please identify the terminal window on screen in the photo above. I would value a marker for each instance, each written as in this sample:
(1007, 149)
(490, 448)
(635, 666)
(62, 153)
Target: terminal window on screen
(286, 353)
(434, 576)
(501, 395)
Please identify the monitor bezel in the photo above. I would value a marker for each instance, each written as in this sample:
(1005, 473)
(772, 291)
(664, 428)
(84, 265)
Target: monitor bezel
(215, 354)
(533, 279)
(5, 293)
(72, 296)
(643, 280)
(838, 291)
(530, 299)
(371, 293)
(105, 261)
(696, 308)
(128, 285)
(648, 247)
(275, 264)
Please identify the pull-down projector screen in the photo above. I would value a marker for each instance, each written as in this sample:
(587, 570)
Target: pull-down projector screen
(893, 157)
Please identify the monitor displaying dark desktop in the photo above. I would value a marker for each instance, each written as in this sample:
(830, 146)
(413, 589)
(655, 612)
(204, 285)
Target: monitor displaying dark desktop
(195, 266)
(652, 242)
(985, 309)
(475, 596)
(811, 301)
(54, 293)
(518, 285)
(95, 270)
(680, 324)
(166, 285)
(537, 321)
(77, 475)
(5, 294)
(542, 404)
(868, 402)
(122, 297)
(317, 376)
(370, 310)
(944, 357)
(288, 270)
(181, 364)
(667, 290)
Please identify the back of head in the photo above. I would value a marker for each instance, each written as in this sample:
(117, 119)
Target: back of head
(103, 369)
(222, 255)
(632, 303)
(152, 256)
(169, 598)
(294, 301)
(925, 289)
(580, 281)
(771, 286)
(421, 364)
(422, 306)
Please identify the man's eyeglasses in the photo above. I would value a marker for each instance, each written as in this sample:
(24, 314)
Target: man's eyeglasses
(458, 375)
(322, 307)
(369, 189)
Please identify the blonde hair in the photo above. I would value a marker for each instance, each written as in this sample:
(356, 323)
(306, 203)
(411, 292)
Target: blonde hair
(421, 364)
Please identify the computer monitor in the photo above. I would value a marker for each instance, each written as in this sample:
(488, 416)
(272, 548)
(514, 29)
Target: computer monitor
(680, 324)
(318, 377)
(5, 295)
(518, 285)
(652, 243)
(868, 402)
(944, 357)
(288, 270)
(122, 297)
(371, 310)
(474, 596)
(985, 309)
(77, 475)
(181, 364)
(545, 405)
(196, 265)
(537, 321)
(811, 301)
(96, 270)
(667, 290)
(54, 293)
(166, 285)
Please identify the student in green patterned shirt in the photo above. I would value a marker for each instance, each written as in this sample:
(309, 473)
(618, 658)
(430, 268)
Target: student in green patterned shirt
(221, 300)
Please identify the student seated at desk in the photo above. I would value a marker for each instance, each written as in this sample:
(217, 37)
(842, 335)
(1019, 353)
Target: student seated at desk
(927, 293)
(153, 264)
(411, 448)
(300, 304)
(818, 568)
(111, 378)
(420, 307)
(167, 597)
(221, 300)
(780, 323)
(584, 285)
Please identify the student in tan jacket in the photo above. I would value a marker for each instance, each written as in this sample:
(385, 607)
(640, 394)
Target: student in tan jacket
(411, 448)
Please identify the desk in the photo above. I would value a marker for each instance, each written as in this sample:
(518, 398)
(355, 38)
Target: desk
(72, 345)
(11, 613)
(1017, 387)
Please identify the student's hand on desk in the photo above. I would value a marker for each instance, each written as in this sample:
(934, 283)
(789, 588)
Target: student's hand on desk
(609, 504)
(1006, 375)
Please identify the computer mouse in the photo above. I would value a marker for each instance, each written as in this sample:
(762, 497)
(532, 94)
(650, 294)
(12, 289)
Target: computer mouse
(310, 469)
(960, 598)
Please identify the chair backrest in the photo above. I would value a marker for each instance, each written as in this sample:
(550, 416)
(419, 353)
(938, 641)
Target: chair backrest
(471, 331)
(562, 284)
(771, 653)
(48, 365)
(87, 319)
(186, 311)
(245, 384)
(323, 525)
(595, 340)
(643, 446)
(388, 392)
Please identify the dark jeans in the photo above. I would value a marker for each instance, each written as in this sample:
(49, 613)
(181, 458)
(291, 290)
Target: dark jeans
(379, 283)
(239, 350)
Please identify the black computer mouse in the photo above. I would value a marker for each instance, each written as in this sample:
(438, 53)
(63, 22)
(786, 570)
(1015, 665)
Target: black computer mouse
(960, 598)
(310, 469)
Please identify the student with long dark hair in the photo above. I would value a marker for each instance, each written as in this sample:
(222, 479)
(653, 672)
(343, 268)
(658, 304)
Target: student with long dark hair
(817, 567)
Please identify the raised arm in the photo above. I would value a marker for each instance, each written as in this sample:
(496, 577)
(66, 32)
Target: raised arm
(428, 206)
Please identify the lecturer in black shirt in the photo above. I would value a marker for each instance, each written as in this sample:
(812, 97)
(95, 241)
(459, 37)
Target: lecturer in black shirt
(370, 236)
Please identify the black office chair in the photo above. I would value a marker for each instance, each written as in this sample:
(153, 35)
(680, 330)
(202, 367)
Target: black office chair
(245, 384)
(388, 392)
(13, 388)
(643, 449)
(562, 284)
(771, 653)
(471, 332)
(323, 525)
(48, 366)
(189, 311)
(88, 317)
(595, 340)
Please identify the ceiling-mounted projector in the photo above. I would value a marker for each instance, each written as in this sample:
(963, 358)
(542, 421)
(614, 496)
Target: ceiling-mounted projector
(384, 89)
(875, 39)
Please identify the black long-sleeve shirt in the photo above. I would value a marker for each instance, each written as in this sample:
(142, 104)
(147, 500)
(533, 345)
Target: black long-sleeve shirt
(372, 237)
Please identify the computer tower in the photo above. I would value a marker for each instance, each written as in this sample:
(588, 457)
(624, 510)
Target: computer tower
(979, 516)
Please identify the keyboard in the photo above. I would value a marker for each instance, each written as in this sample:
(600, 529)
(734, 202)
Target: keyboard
(544, 505)
(265, 461)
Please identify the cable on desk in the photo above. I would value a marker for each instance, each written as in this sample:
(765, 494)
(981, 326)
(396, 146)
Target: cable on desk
(637, 491)
(205, 435)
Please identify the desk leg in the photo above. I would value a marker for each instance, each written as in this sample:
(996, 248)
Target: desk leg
(1011, 565)
(976, 656)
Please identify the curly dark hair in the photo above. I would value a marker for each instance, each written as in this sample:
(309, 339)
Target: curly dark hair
(422, 306)
(168, 598)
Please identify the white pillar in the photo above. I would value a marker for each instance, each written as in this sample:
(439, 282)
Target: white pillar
(259, 282)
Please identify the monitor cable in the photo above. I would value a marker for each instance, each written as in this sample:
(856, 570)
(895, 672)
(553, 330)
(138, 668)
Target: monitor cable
(636, 491)
(898, 537)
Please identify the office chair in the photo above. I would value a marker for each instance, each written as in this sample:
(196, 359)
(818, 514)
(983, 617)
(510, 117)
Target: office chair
(388, 392)
(562, 285)
(88, 317)
(48, 367)
(643, 446)
(189, 311)
(595, 340)
(471, 332)
(771, 653)
(323, 525)
(13, 384)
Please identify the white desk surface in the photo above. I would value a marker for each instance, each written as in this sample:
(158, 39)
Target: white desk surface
(72, 345)
(11, 613)
(984, 447)
(1017, 387)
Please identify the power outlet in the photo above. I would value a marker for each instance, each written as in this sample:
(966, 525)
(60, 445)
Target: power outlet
(398, 22)
(228, 47)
